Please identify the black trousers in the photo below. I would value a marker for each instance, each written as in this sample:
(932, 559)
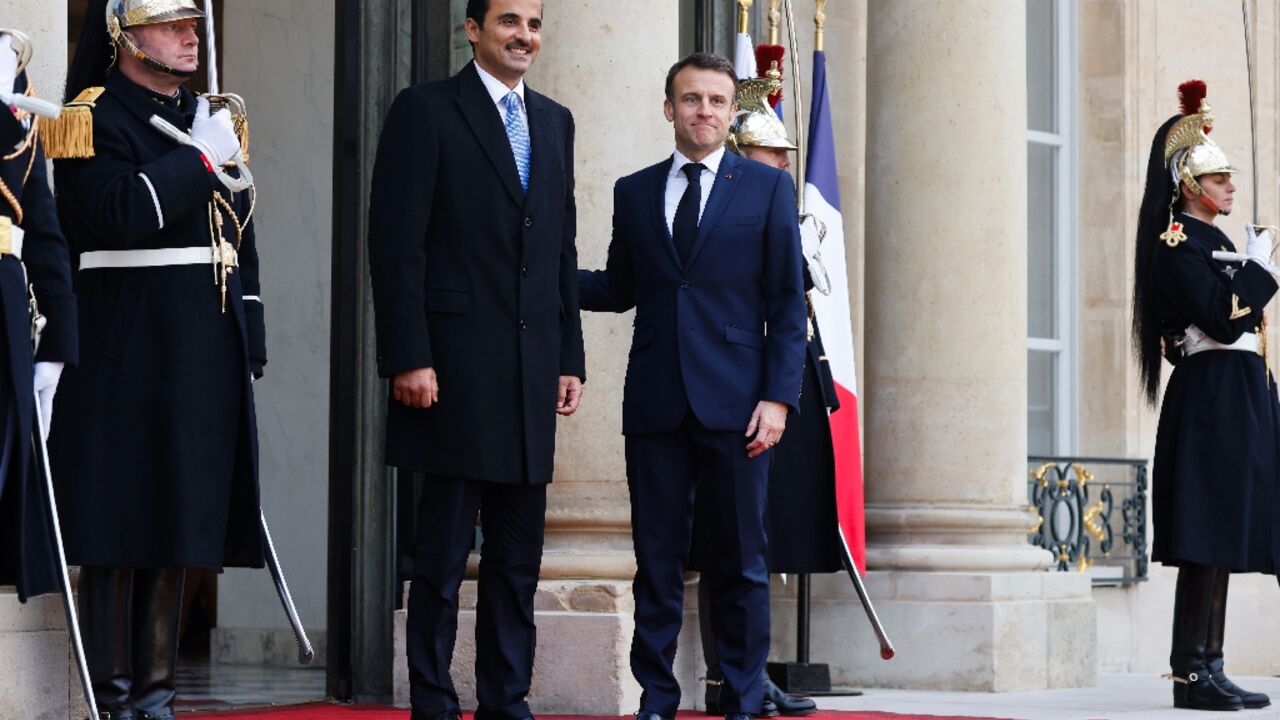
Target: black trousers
(512, 518)
(663, 470)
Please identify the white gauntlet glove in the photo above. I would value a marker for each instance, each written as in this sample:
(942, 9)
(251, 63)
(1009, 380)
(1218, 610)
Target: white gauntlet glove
(8, 66)
(812, 232)
(1261, 242)
(46, 384)
(214, 135)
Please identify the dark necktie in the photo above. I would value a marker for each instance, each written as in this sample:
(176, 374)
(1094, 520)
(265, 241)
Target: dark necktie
(685, 225)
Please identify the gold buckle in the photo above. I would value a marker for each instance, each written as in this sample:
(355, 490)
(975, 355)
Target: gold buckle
(6, 235)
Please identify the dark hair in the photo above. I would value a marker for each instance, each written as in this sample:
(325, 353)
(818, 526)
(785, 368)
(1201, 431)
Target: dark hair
(476, 10)
(93, 52)
(1153, 218)
(701, 61)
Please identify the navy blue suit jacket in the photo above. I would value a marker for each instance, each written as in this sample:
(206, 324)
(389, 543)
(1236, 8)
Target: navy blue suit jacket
(700, 339)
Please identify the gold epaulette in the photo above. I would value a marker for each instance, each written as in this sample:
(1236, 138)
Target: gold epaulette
(70, 137)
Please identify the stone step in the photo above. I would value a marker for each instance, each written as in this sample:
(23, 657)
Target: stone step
(40, 677)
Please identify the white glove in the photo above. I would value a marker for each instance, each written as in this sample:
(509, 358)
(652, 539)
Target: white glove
(8, 65)
(46, 384)
(1260, 244)
(812, 232)
(214, 135)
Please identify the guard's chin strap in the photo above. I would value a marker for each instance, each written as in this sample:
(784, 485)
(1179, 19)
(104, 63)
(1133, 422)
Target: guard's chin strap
(1211, 205)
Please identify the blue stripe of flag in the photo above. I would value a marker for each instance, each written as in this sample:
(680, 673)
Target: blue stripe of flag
(821, 168)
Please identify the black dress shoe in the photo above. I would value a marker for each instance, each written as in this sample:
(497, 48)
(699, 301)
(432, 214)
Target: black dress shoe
(786, 704)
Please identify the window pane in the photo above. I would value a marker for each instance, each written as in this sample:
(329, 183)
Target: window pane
(1042, 65)
(1042, 393)
(1042, 195)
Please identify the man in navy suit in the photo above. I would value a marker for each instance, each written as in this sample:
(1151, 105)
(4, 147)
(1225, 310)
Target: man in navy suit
(706, 248)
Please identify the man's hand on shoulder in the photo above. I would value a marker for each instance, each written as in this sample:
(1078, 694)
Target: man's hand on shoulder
(416, 388)
(767, 423)
(569, 396)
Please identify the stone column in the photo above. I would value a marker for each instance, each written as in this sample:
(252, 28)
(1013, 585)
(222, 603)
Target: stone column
(962, 593)
(607, 63)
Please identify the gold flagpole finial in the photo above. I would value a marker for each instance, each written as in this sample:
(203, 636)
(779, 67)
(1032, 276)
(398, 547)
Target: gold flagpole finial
(775, 21)
(744, 15)
(819, 24)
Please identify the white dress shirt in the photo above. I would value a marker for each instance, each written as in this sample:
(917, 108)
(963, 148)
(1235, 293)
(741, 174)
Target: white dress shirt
(499, 90)
(677, 182)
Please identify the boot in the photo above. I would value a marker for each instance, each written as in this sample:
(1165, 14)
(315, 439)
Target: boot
(787, 704)
(1213, 649)
(157, 612)
(1193, 685)
(106, 595)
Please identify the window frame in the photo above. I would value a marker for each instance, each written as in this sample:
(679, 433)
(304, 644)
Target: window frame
(1065, 260)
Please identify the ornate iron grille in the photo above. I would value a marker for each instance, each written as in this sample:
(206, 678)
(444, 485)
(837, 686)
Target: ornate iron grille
(1093, 515)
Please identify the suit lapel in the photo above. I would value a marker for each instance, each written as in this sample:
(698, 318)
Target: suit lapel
(658, 204)
(535, 107)
(731, 170)
(483, 118)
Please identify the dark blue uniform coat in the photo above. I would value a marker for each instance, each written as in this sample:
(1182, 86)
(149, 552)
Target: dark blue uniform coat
(26, 540)
(155, 444)
(1214, 491)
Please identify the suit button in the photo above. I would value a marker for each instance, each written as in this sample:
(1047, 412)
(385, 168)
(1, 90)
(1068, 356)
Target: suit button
(523, 326)
(685, 285)
(525, 271)
(528, 222)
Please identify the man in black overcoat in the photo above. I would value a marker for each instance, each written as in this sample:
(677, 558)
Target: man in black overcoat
(155, 443)
(32, 251)
(472, 253)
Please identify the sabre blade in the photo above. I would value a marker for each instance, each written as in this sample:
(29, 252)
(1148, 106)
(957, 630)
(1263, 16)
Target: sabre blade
(886, 648)
(306, 654)
(68, 600)
(211, 47)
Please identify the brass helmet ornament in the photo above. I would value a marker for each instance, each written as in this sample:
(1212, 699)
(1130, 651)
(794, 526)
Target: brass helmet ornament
(1188, 150)
(125, 14)
(755, 124)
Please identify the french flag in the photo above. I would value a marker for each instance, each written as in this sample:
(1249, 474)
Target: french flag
(822, 199)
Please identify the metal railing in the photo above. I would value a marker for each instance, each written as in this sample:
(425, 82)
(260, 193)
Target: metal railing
(1093, 515)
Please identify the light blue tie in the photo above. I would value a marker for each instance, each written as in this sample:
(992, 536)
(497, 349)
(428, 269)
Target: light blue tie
(518, 135)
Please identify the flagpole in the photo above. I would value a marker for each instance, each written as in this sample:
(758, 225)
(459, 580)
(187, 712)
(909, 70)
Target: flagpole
(799, 105)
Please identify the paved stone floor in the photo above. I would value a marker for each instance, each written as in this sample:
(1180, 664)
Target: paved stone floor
(1116, 697)
(205, 686)
(1123, 697)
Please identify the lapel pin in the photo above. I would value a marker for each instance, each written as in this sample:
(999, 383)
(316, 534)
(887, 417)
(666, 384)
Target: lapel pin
(728, 176)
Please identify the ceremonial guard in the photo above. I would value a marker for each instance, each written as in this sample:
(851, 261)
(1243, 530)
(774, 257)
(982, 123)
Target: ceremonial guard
(155, 448)
(800, 517)
(1214, 489)
(35, 293)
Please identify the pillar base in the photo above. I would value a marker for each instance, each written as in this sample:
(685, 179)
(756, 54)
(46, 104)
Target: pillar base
(992, 632)
(582, 665)
(40, 677)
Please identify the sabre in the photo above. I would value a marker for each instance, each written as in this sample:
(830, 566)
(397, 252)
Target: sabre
(1253, 114)
(68, 601)
(886, 647)
(306, 654)
(799, 105)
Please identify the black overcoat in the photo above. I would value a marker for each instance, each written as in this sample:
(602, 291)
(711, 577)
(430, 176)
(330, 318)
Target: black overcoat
(26, 540)
(1214, 489)
(476, 279)
(155, 439)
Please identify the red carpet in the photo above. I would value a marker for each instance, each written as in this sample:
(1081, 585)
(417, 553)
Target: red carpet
(330, 711)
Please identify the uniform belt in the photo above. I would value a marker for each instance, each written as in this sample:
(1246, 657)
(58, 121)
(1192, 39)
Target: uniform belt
(10, 238)
(1197, 342)
(161, 257)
